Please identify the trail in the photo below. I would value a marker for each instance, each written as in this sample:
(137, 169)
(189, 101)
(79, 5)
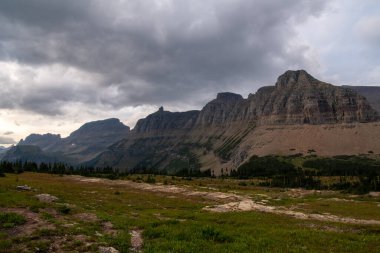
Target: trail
(230, 202)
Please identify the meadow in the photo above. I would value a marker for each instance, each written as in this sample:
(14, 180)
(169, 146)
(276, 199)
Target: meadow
(141, 213)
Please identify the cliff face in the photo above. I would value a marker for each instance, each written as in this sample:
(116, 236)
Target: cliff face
(166, 121)
(220, 110)
(299, 98)
(296, 98)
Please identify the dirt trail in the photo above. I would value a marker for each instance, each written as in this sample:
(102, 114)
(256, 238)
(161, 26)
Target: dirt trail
(249, 205)
(230, 202)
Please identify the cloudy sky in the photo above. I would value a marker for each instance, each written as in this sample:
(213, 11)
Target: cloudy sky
(63, 63)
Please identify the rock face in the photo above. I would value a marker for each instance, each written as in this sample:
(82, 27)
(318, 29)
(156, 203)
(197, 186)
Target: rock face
(164, 121)
(220, 110)
(299, 98)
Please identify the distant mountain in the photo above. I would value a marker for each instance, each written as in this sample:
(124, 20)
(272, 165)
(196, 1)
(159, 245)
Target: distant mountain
(372, 93)
(45, 141)
(29, 153)
(3, 150)
(83, 144)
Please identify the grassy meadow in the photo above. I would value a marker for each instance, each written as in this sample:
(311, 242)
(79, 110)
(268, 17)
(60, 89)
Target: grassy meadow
(103, 213)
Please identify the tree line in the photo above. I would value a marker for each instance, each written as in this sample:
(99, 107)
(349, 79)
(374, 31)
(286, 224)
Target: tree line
(356, 174)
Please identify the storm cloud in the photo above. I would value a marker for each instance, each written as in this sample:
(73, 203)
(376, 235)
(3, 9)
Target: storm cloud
(63, 63)
(146, 52)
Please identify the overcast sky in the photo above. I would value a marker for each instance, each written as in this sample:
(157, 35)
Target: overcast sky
(63, 63)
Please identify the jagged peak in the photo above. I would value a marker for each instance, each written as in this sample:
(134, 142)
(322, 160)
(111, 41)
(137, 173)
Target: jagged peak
(291, 77)
(228, 95)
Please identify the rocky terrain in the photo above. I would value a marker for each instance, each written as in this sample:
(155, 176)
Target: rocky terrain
(299, 114)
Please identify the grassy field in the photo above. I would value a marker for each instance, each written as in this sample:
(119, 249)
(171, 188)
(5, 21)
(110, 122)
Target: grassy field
(102, 213)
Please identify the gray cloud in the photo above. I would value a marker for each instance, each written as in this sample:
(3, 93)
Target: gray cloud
(8, 133)
(7, 140)
(148, 52)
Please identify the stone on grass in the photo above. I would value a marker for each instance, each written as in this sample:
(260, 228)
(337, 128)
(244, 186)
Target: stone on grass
(44, 197)
(107, 250)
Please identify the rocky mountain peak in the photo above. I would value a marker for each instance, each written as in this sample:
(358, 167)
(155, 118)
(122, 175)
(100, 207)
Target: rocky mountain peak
(228, 96)
(99, 126)
(293, 77)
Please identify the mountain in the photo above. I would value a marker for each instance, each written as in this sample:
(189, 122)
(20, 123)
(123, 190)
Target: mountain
(372, 93)
(81, 145)
(299, 114)
(29, 153)
(3, 150)
(45, 141)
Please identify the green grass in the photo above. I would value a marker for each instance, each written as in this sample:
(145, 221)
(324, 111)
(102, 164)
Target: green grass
(175, 223)
(10, 220)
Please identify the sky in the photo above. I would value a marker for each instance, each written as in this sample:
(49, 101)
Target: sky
(64, 63)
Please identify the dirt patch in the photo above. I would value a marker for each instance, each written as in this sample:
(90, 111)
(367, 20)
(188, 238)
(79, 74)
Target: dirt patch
(32, 224)
(87, 217)
(249, 205)
(136, 240)
(170, 189)
(108, 228)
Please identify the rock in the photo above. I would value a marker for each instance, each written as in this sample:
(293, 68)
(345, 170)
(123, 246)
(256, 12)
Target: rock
(46, 198)
(107, 250)
(24, 187)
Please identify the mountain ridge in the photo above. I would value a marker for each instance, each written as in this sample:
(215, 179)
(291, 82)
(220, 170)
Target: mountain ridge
(229, 129)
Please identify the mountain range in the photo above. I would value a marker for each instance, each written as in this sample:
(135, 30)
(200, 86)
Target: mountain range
(299, 114)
